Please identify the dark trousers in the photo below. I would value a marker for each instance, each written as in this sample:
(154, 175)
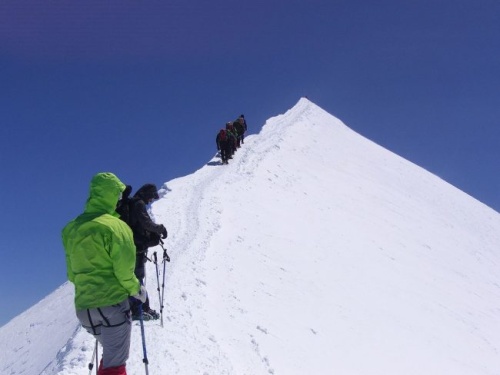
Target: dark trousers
(140, 273)
(225, 151)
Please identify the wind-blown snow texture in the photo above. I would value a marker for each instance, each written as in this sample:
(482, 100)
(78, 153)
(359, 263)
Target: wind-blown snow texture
(315, 251)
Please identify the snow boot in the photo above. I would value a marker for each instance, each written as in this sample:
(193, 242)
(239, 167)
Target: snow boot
(118, 370)
(154, 315)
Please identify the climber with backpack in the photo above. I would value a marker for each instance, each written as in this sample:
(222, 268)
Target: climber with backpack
(146, 234)
(100, 255)
(240, 127)
(223, 146)
(242, 120)
(232, 137)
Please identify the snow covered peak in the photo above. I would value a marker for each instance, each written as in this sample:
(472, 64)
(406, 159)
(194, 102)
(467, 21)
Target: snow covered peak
(315, 251)
(304, 111)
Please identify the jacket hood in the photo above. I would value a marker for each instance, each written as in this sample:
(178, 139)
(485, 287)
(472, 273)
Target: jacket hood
(147, 192)
(105, 190)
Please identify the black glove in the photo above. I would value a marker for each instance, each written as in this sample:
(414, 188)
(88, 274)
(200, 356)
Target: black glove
(154, 239)
(164, 233)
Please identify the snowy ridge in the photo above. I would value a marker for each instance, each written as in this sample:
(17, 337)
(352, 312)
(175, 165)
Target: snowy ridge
(38, 333)
(315, 251)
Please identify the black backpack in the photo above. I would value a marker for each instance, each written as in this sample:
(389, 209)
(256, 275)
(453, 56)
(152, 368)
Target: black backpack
(222, 135)
(124, 208)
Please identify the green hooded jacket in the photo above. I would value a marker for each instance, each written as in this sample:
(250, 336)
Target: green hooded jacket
(100, 250)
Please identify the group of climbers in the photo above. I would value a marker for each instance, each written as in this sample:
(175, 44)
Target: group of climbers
(105, 256)
(230, 138)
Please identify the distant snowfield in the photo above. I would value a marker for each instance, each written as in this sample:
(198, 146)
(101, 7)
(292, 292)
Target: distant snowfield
(315, 251)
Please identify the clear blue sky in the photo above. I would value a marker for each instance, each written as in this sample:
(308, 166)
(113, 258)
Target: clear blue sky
(140, 88)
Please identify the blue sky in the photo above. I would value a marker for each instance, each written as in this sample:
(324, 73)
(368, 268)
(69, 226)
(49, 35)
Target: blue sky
(140, 89)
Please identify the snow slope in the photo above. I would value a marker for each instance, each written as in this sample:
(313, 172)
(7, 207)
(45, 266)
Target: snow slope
(315, 251)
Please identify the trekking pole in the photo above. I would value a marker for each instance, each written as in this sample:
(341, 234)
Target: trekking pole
(166, 258)
(145, 358)
(158, 283)
(96, 357)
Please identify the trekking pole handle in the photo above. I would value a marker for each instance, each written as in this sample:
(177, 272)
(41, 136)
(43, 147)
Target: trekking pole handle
(165, 255)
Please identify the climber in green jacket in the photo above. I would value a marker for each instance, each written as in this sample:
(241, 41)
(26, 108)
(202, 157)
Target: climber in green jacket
(100, 260)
